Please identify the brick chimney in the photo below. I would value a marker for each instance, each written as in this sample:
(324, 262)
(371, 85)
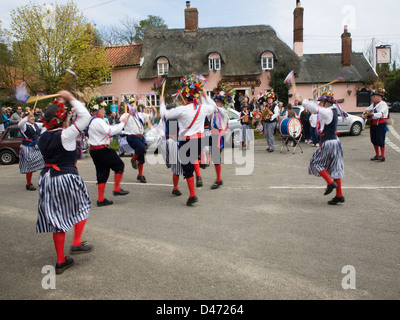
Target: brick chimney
(346, 48)
(298, 29)
(191, 18)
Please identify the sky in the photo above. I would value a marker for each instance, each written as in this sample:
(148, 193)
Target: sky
(368, 21)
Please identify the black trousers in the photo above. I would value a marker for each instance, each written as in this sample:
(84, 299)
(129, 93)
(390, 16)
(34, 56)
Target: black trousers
(105, 160)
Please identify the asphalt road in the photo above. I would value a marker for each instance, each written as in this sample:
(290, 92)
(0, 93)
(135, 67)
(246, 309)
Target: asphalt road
(267, 233)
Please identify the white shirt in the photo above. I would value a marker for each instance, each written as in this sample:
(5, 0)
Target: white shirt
(134, 126)
(325, 114)
(186, 114)
(100, 132)
(382, 110)
(68, 135)
(313, 120)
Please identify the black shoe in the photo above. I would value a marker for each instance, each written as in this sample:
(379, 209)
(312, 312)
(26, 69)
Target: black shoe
(176, 192)
(85, 247)
(120, 193)
(30, 187)
(336, 200)
(199, 182)
(382, 159)
(330, 188)
(216, 184)
(103, 203)
(271, 150)
(376, 158)
(142, 179)
(192, 200)
(204, 165)
(61, 267)
(134, 164)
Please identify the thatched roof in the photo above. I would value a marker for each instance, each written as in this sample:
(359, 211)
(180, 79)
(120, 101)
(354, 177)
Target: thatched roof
(240, 49)
(323, 68)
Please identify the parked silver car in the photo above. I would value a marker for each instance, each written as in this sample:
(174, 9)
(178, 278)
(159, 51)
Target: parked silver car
(231, 136)
(352, 125)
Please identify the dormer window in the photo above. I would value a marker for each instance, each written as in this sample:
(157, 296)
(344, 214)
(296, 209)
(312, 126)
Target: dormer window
(214, 62)
(267, 61)
(162, 66)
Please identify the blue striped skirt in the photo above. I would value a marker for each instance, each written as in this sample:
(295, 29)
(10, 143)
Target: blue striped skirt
(169, 149)
(30, 159)
(63, 202)
(329, 156)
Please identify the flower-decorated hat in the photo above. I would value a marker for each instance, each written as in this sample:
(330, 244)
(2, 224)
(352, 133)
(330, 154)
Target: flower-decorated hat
(191, 86)
(223, 94)
(96, 103)
(55, 115)
(271, 94)
(379, 92)
(130, 99)
(327, 96)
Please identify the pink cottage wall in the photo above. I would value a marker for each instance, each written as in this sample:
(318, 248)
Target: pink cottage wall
(340, 91)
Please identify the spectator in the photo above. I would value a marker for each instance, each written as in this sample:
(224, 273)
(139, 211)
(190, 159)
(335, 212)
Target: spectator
(305, 122)
(114, 108)
(16, 116)
(38, 114)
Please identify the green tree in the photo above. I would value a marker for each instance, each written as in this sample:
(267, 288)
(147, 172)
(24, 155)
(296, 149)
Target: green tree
(154, 22)
(51, 39)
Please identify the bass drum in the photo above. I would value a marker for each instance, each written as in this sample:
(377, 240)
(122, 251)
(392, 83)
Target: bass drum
(290, 127)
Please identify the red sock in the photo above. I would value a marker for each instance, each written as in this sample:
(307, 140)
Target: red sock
(175, 180)
(339, 192)
(383, 152)
(100, 191)
(59, 239)
(218, 171)
(78, 232)
(140, 169)
(376, 150)
(190, 184)
(197, 168)
(326, 176)
(117, 181)
(29, 178)
(135, 157)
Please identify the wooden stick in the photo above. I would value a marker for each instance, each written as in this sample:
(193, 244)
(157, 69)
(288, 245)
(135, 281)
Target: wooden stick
(37, 98)
(149, 102)
(163, 87)
(184, 102)
(324, 85)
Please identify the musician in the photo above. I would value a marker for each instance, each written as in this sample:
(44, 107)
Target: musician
(134, 131)
(378, 111)
(104, 158)
(30, 157)
(191, 126)
(270, 117)
(327, 160)
(246, 133)
(63, 197)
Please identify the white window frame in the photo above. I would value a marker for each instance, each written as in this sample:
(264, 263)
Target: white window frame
(214, 64)
(267, 61)
(108, 99)
(154, 99)
(162, 66)
(107, 78)
(326, 88)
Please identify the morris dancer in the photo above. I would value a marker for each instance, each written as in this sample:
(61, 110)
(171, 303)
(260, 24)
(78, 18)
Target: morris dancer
(379, 112)
(30, 157)
(219, 123)
(63, 198)
(104, 158)
(191, 127)
(327, 160)
(134, 130)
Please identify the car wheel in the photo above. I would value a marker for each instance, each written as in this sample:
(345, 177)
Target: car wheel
(356, 129)
(7, 157)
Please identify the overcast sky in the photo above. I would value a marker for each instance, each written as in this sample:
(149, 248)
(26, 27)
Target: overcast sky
(323, 20)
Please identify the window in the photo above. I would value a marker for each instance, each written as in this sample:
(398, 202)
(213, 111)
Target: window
(108, 99)
(162, 66)
(326, 88)
(154, 100)
(107, 78)
(267, 61)
(214, 62)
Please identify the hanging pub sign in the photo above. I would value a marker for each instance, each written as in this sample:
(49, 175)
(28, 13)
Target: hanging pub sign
(383, 54)
(240, 83)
